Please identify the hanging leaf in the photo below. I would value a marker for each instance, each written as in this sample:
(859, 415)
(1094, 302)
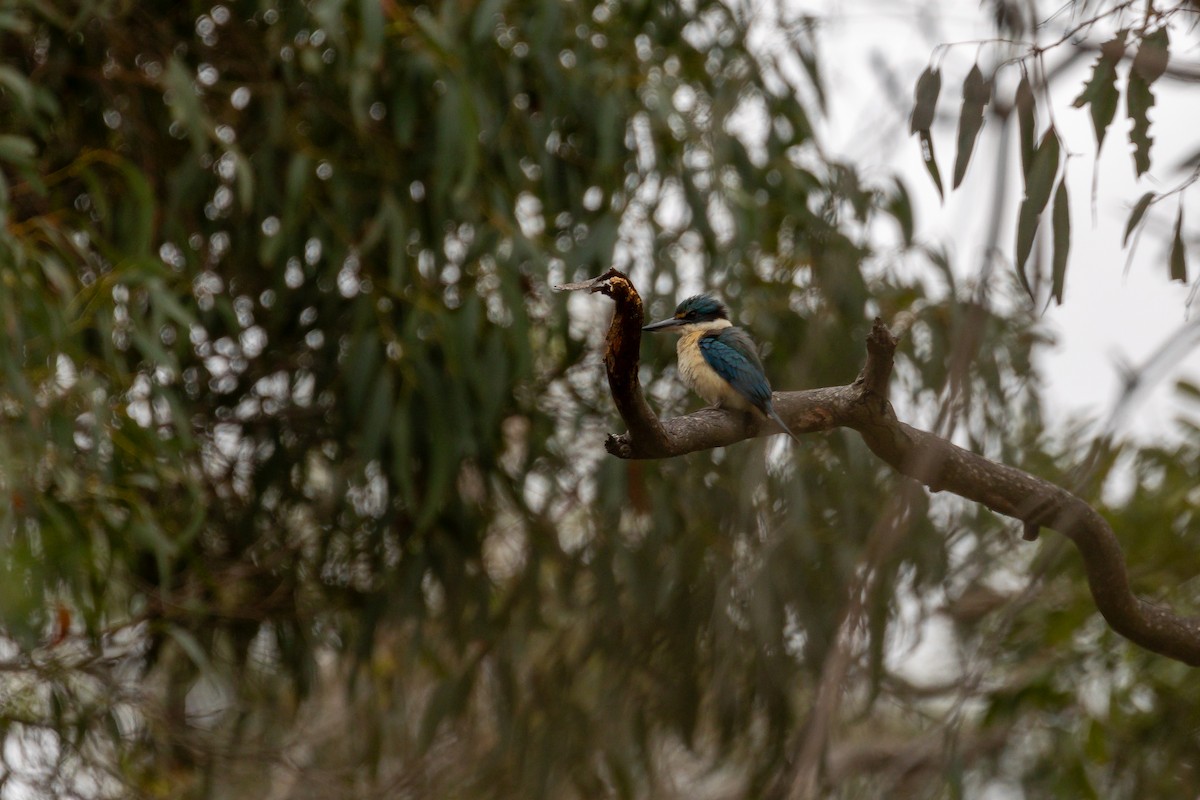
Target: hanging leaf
(1038, 181)
(1026, 120)
(900, 207)
(1100, 92)
(1152, 55)
(1139, 99)
(931, 162)
(1027, 220)
(1148, 66)
(1139, 210)
(929, 85)
(1061, 225)
(977, 92)
(1178, 254)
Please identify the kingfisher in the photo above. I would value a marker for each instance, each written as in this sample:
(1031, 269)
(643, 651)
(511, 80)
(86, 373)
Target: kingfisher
(718, 361)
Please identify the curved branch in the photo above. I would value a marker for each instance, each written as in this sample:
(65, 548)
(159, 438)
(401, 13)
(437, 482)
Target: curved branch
(937, 463)
(622, 352)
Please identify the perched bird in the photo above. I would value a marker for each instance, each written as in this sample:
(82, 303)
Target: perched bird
(718, 361)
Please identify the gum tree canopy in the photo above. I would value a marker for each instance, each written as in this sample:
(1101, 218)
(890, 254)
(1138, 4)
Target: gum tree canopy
(304, 461)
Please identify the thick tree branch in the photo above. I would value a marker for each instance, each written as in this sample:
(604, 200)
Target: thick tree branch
(937, 463)
(622, 352)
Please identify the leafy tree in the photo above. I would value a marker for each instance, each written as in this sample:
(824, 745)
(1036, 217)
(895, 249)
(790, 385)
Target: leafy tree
(1132, 43)
(303, 456)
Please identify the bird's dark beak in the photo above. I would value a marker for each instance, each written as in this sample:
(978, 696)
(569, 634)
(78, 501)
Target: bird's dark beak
(664, 325)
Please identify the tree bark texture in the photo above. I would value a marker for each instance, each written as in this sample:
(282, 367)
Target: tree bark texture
(937, 463)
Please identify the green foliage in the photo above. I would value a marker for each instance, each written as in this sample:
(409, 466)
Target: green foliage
(1148, 66)
(929, 86)
(290, 403)
(1039, 180)
(1135, 216)
(303, 457)
(1026, 120)
(1178, 250)
(1089, 698)
(1100, 94)
(977, 92)
(1062, 239)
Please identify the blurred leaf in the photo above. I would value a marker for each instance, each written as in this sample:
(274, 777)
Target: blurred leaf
(1096, 745)
(190, 646)
(185, 104)
(468, 123)
(930, 159)
(1148, 65)
(447, 700)
(1140, 99)
(977, 93)
(1062, 239)
(437, 425)
(900, 207)
(17, 150)
(245, 179)
(1178, 253)
(1100, 92)
(805, 50)
(21, 88)
(377, 416)
(138, 210)
(165, 301)
(1135, 216)
(16, 23)
(1026, 120)
(488, 14)
(363, 369)
(1039, 179)
(373, 29)
(402, 455)
(929, 85)
(1188, 389)
(1152, 56)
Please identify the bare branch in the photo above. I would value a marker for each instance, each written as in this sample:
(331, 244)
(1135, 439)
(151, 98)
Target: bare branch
(935, 462)
(621, 357)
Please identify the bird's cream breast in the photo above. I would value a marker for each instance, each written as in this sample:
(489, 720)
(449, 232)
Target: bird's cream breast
(702, 378)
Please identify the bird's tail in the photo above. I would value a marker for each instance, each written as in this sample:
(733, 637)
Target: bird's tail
(779, 421)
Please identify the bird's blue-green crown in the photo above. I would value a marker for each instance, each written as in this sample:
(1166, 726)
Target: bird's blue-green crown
(701, 308)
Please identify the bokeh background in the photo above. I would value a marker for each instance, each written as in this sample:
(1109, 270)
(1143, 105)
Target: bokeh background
(301, 456)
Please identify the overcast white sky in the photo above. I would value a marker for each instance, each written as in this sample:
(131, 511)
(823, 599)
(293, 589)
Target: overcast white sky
(872, 53)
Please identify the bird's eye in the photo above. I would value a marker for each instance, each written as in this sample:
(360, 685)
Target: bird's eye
(690, 315)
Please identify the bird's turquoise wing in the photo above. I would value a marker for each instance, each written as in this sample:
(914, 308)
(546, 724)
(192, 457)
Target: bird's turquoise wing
(732, 355)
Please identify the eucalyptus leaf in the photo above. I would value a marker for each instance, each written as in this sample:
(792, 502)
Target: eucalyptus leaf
(1026, 105)
(1178, 251)
(977, 93)
(1100, 92)
(1135, 216)
(929, 86)
(1061, 222)
(1039, 180)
